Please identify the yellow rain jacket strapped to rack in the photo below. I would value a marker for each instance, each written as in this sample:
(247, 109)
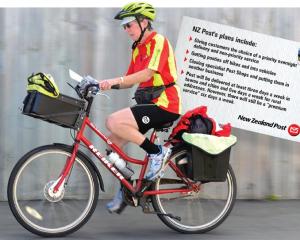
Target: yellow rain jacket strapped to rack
(43, 83)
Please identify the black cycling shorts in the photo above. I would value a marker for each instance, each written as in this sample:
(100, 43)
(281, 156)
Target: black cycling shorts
(150, 116)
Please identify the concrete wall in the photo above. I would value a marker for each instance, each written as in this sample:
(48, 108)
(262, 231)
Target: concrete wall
(89, 42)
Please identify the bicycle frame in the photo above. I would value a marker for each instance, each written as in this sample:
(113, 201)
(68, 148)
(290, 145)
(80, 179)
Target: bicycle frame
(144, 163)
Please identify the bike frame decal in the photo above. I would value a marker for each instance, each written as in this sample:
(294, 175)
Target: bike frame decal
(106, 162)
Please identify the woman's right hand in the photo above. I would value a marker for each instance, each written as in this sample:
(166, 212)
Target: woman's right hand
(108, 83)
(104, 85)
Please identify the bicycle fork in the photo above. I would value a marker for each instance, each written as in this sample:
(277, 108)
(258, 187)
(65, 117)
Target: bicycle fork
(58, 186)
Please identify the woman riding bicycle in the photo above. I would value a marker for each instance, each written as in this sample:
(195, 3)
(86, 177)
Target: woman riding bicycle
(198, 191)
(152, 65)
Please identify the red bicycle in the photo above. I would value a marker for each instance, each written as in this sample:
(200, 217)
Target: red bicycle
(62, 197)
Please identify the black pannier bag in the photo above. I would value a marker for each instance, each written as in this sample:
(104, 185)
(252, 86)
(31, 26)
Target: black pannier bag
(64, 111)
(209, 167)
(204, 165)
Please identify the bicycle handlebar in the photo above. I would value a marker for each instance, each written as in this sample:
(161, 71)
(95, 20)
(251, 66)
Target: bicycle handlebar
(116, 86)
(89, 91)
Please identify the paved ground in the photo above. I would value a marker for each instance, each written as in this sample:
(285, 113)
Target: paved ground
(249, 220)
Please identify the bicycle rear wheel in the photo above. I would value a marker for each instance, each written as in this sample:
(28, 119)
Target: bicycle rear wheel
(199, 211)
(33, 203)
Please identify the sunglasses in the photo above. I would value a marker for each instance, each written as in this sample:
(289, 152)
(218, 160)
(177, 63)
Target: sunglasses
(127, 25)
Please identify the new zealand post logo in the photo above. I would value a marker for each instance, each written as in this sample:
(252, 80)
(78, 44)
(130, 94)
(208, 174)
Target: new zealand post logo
(294, 130)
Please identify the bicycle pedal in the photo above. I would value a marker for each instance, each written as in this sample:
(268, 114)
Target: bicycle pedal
(143, 202)
(146, 209)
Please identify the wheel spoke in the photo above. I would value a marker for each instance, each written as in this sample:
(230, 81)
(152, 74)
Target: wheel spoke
(199, 211)
(37, 208)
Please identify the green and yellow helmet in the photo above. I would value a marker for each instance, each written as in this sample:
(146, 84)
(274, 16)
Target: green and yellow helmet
(136, 9)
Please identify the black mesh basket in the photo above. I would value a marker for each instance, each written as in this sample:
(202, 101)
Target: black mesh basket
(64, 111)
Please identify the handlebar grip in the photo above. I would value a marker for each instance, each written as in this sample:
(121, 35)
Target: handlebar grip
(116, 86)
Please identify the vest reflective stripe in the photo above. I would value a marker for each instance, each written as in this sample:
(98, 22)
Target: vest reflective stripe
(157, 80)
(148, 46)
(135, 54)
(172, 63)
(155, 59)
(163, 100)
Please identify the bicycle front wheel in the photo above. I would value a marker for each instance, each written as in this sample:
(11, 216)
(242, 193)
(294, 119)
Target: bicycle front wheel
(199, 211)
(33, 203)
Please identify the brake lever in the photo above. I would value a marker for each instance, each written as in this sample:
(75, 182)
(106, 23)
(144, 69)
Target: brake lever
(71, 85)
(103, 94)
(75, 89)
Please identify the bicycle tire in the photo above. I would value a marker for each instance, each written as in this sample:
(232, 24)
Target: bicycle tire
(28, 209)
(163, 204)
